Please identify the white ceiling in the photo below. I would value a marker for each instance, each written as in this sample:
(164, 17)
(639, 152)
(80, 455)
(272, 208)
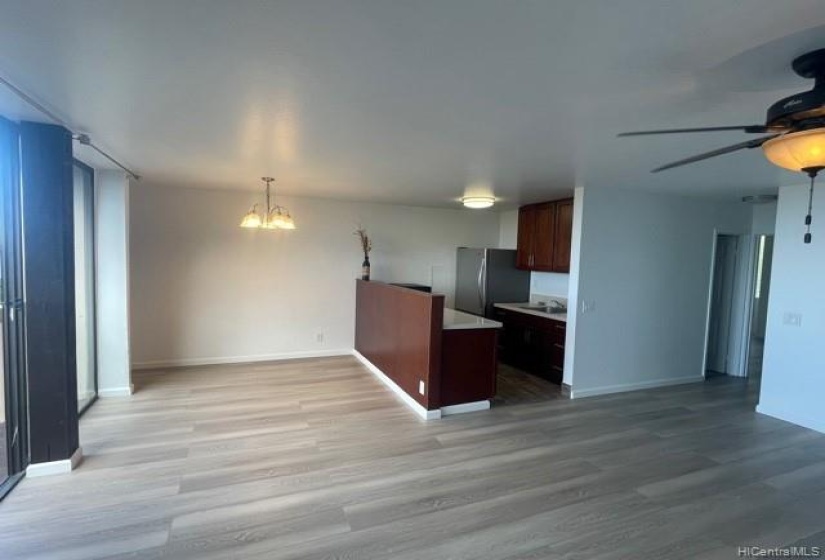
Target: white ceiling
(413, 101)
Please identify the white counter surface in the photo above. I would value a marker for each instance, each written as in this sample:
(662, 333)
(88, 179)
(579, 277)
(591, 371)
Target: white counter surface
(523, 308)
(454, 319)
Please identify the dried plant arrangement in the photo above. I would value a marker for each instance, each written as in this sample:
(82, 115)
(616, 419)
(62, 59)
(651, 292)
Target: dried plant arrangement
(366, 242)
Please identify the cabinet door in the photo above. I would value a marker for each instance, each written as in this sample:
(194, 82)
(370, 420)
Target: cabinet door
(526, 226)
(543, 233)
(557, 352)
(563, 237)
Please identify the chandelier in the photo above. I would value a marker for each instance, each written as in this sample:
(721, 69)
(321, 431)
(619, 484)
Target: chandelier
(274, 217)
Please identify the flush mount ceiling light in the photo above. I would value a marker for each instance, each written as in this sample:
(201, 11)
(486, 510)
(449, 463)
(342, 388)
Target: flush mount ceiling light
(477, 202)
(275, 217)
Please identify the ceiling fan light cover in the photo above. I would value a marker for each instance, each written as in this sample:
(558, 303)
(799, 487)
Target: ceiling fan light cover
(797, 151)
(477, 202)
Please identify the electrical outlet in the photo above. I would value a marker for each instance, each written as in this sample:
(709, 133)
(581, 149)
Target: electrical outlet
(792, 319)
(421, 387)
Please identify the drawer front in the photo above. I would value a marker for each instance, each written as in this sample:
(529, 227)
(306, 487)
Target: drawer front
(559, 332)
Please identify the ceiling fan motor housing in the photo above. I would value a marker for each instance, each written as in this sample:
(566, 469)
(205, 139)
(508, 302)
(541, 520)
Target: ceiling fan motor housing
(807, 109)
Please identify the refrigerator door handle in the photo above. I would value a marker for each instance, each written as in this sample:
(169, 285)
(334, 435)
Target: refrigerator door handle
(482, 295)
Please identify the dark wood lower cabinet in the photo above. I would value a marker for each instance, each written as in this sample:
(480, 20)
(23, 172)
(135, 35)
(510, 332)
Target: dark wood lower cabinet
(533, 344)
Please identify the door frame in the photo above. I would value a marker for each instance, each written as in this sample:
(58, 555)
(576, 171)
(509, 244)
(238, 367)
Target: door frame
(741, 304)
(744, 302)
(14, 339)
(93, 233)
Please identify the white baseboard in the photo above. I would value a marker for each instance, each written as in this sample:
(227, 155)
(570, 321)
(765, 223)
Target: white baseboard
(50, 468)
(116, 392)
(464, 407)
(218, 360)
(609, 389)
(793, 417)
(408, 400)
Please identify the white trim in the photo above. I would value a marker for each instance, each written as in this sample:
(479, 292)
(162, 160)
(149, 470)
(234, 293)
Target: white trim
(742, 305)
(184, 362)
(740, 308)
(465, 407)
(608, 389)
(116, 392)
(793, 417)
(709, 305)
(408, 400)
(50, 468)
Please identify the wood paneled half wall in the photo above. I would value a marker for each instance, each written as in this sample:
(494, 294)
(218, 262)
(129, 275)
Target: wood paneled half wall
(399, 331)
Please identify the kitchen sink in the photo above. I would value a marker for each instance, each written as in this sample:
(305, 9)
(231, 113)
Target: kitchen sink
(549, 309)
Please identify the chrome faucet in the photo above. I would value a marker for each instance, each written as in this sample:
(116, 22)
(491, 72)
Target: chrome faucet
(556, 305)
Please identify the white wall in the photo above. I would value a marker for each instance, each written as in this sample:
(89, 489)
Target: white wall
(549, 283)
(573, 288)
(763, 221)
(205, 290)
(112, 233)
(508, 229)
(644, 269)
(793, 374)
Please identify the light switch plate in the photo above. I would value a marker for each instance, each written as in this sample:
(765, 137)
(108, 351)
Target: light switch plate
(792, 319)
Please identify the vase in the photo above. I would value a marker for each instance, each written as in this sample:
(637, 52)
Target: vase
(365, 268)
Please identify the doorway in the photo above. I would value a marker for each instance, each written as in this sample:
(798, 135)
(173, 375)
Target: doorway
(759, 305)
(84, 284)
(737, 316)
(721, 307)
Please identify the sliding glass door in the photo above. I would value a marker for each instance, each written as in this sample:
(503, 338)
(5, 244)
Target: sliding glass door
(84, 276)
(13, 427)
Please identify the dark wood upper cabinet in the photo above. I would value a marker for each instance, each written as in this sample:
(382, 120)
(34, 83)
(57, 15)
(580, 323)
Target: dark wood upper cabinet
(563, 236)
(544, 230)
(544, 236)
(524, 248)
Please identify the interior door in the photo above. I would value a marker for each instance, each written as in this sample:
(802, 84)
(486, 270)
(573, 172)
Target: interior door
(469, 281)
(84, 269)
(724, 279)
(12, 315)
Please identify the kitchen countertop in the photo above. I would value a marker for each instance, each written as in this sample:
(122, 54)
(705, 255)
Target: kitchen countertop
(454, 319)
(524, 308)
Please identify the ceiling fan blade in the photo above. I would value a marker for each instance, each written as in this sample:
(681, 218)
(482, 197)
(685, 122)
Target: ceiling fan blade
(755, 143)
(750, 129)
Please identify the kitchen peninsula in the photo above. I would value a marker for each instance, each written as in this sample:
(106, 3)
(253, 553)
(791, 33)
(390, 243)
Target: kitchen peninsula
(439, 360)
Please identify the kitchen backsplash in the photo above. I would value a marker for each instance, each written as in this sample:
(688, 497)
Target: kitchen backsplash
(552, 283)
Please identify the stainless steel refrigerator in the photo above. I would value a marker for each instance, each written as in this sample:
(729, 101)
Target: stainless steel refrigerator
(488, 276)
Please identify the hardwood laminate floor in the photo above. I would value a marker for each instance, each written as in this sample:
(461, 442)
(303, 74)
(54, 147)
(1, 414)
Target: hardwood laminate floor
(317, 459)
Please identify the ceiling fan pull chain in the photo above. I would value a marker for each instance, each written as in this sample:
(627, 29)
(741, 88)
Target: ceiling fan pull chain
(810, 209)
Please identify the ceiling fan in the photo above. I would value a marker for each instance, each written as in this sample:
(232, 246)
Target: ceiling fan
(795, 128)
